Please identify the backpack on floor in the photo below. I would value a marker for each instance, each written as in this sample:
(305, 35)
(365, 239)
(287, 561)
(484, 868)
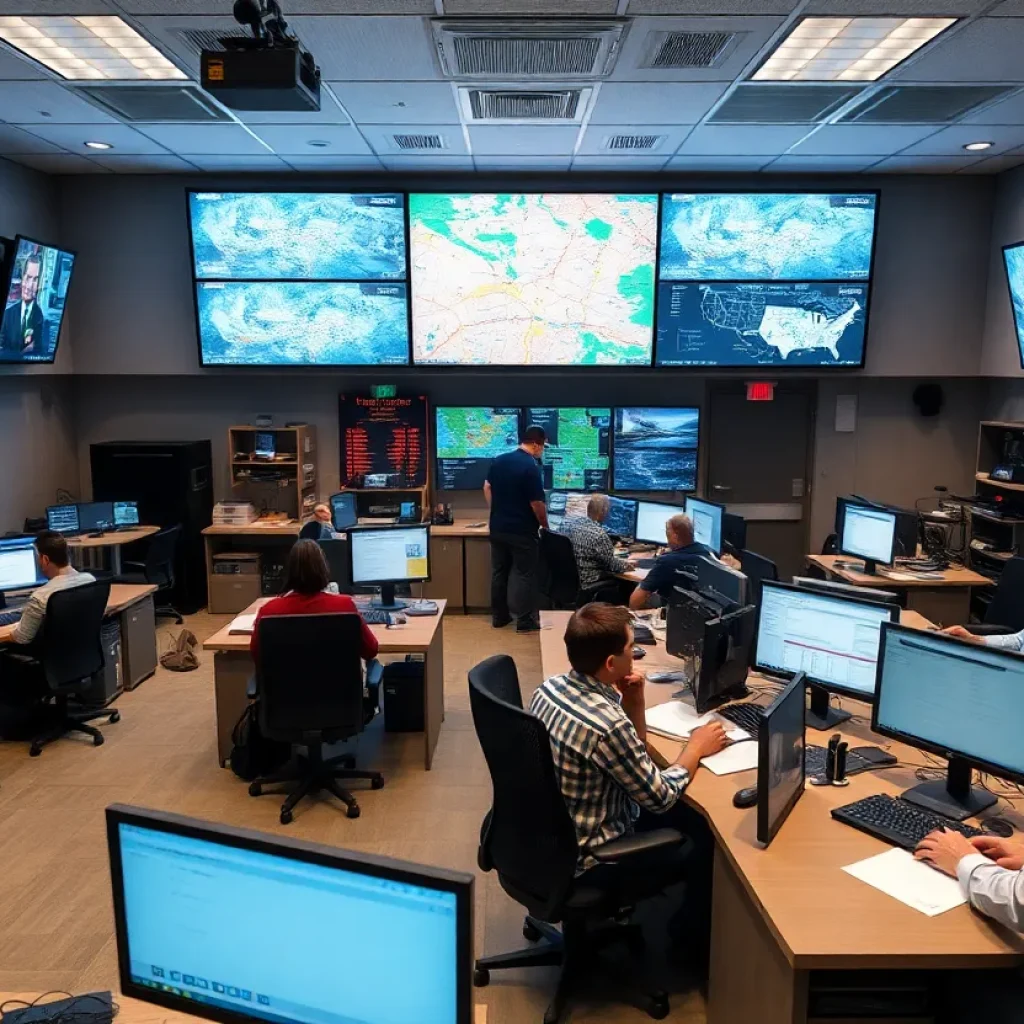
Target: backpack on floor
(180, 655)
(252, 753)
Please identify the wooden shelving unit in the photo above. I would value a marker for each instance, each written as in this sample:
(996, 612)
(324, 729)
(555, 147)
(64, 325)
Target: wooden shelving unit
(287, 484)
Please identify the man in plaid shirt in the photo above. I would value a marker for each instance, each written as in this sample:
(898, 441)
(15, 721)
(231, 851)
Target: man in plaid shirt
(595, 718)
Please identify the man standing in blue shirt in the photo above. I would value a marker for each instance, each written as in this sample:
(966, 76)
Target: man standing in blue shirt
(514, 490)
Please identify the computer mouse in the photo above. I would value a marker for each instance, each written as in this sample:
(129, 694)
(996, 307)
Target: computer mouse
(746, 797)
(998, 827)
(639, 652)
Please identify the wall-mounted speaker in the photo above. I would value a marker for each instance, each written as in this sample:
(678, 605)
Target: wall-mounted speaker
(929, 399)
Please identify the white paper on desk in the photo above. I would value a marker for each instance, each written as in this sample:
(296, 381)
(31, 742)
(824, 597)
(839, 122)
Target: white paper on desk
(640, 574)
(737, 757)
(242, 624)
(677, 720)
(910, 881)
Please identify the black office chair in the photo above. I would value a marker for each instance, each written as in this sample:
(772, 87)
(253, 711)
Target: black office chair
(158, 569)
(311, 531)
(528, 837)
(831, 545)
(66, 658)
(309, 683)
(1005, 611)
(757, 568)
(558, 576)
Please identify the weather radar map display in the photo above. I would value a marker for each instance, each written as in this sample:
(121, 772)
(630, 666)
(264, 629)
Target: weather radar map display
(533, 279)
(1013, 259)
(576, 455)
(749, 279)
(467, 438)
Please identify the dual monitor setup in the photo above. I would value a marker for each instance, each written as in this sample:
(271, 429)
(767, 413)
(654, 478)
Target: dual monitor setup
(92, 518)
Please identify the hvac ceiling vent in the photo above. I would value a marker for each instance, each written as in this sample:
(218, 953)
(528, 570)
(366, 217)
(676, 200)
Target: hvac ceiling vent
(154, 102)
(419, 143)
(526, 50)
(632, 143)
(782, 104)
(922, 104)
(516, 106)
(199, 39)
(668, 51)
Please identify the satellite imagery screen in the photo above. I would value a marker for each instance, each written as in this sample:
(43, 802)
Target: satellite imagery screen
(533, 279)
(1013, 259)
(761, 324)
(467, 438)
(767, 237)
(281, 323)
(655, 449)
(576, 456)
(321, 236)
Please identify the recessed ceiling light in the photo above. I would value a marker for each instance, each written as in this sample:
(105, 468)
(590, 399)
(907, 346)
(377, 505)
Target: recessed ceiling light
(318, 143)
(974, 147)
(99, 145)
(88, 48)
(847, 49)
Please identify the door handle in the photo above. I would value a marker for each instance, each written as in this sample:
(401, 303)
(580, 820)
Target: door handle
(720, 487)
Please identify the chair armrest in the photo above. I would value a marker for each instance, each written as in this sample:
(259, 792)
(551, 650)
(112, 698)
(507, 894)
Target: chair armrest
(250, 687)
(988, 629)
(134, 566)
(639, 843)
(374, 672)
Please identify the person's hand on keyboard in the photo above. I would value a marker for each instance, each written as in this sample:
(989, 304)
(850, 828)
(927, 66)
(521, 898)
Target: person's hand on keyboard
(944, 850)
(1005, 853)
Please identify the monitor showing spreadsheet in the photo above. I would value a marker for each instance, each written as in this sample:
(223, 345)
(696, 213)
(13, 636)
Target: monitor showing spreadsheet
(62, 518)
(868, 532)
(19, 569)
(651, 517)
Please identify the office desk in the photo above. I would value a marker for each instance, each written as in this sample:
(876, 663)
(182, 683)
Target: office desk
(946, 601)
(114, 540)
(233, 668)
(460, 564)
(782, 913)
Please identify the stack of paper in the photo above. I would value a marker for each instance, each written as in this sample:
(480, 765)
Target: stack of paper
(910, 881)
(242, 624)
(737, 757)
(677, 720)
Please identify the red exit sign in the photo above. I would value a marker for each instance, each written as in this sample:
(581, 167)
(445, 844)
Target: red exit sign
(760, 390)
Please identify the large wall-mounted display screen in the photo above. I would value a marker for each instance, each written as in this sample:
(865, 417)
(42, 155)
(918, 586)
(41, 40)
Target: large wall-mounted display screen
(532, 279)
(576, 455)
(655, 449)
(1013, 260)
(467, 439)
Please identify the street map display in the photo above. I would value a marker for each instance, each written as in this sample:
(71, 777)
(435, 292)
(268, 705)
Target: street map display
(533, 279)
(767, 237)
(761, 324)
(467, 438)
(576, 455)
(1013, 259)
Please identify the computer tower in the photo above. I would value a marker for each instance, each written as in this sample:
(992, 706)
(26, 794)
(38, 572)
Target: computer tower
(173, 483)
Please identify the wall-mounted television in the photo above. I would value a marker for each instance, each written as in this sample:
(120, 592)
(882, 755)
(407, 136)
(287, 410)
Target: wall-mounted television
(655, 449)
(1013, 261)
(35, 290)
(467, 439)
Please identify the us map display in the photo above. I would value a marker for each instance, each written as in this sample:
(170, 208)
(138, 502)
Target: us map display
(576, 456)
(761, 324)
(467, 438)
(1013, 258)
(532, 279)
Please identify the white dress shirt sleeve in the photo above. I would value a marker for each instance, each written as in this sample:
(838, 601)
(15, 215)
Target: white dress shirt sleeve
(994, 891)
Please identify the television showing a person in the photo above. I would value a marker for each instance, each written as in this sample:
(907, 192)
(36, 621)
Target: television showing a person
(23, 330)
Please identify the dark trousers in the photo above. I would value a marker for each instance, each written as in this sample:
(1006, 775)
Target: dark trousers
(514, 578)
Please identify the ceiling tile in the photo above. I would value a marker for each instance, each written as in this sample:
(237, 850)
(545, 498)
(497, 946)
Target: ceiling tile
(528, 140)
(950, 141)
(333, 162)
(742, 140)
(853, 139)
(716, 163)
(47, 103)
(151, 164)
(428, 163)
(650, 103)
(1005, 111)
(625, 164)
(986, 50)
(923, 164)
(398, 102)
(996, 165)
(523, 163)
(596, 136)
(1008, 9)
(13, 66)
(534, 7)
(214, 163)
(294, 7)
(226, 139)
(15, 140)
(637, 48)
(60, 163)
(289, 139)
(382, 137)
(710, 6)
(822, 164)
(73, 137)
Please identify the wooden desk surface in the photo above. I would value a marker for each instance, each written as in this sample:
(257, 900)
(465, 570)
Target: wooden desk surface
(461, 527)
(821, 917)
(122, 596)
(113, 538)
(950, 577)
(256, 529)
(412, 638)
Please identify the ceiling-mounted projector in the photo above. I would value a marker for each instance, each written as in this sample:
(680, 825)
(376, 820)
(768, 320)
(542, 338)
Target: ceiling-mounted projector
(266, 71)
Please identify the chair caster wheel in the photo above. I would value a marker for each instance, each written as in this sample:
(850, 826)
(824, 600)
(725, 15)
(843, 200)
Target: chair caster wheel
(115, 717)
(286, 817)
(481, 977)
(659, 1007)
(530, 933)
(377, 783)
(255, 789)
(34, 751)
(97, 741)
(353, 811)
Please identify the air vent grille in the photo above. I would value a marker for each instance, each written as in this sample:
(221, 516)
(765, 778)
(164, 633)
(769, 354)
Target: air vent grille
(154, 102)
(689, 49)
(481, 55)
(419, 142)
(922, 104)
(506, 105)
(782, 104)
(633, 143)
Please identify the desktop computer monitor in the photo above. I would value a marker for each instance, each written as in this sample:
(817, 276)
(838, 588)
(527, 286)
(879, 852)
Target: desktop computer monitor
(621, 519)
(725, 659)
(846, 589)
(651, 517)
(95, 516)
(383, 556)
(780, 759)
(908, 522)
(721, 580)
(126, 513)
(833, 640)
(240, 926)
(576, 504)
(707, 522)
(867, 532)
(958, 700)
(734, 533)
(19, 569)
(62, 518)
(343, 511)
(265, 447)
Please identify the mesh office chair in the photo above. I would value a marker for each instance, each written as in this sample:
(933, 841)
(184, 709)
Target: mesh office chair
(528, 837)
(67, 657)
(559, 576)
(309, 683)
(158, 569)
(1005, 611)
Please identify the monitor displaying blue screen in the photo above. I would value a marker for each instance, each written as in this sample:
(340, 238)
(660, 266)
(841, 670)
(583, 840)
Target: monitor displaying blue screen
(299, 236)
(810, 324)
(735, 236)
(302, 323)
(33, 308)
(1013, 260)
(655, 449)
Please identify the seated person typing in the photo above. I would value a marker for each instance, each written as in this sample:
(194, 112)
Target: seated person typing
(683, 551)
(592, 546)
(321, 518)
(1005, 641)
(595, 718)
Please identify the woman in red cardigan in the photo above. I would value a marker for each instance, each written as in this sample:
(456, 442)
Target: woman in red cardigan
(305, 579)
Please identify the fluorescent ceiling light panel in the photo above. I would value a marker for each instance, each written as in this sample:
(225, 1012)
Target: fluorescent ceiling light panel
(847, 49)
(88, 48)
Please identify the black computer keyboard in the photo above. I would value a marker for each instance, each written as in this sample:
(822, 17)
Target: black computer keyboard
(814, 761)
(375, 616)
(746, 715)
(9, 618)
(896, 821)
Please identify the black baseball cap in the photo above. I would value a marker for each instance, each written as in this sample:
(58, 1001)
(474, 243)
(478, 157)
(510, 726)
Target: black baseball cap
(534, 435)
